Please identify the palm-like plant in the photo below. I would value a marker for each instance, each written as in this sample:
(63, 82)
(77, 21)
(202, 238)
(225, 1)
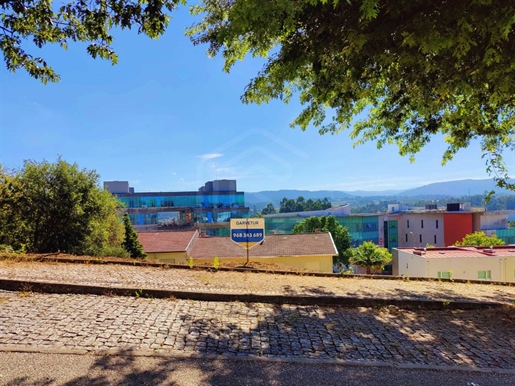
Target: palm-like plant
(369, 255)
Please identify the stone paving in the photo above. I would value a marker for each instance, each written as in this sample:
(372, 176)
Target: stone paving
(438, 338)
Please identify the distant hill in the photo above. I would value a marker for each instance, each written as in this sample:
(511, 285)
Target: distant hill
(437, 190)
(374, 193)
(456, 188)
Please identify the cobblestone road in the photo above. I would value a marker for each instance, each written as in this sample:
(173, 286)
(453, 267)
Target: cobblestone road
(448, 338)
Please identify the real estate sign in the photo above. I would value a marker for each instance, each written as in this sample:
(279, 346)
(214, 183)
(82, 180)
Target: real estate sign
(247, 232)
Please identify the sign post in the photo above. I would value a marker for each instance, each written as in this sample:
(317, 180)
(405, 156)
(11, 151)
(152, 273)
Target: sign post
(247, 232)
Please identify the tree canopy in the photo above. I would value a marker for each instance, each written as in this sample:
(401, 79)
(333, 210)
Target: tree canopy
(340, 234)
(269, 209)
(393, 71)
(43, 22)
(289, 205)
(370, 256)
(480, 239)
(56, 207)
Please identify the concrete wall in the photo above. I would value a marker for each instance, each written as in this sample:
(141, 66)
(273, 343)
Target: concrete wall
(312, 263)
(408, 265)
(169, 257)
(493, 220)
(117, 186)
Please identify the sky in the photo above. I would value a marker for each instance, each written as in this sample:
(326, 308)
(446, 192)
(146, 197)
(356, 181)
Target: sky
(168, 118)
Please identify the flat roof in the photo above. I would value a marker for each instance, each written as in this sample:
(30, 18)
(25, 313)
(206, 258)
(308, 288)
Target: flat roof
(470, 251)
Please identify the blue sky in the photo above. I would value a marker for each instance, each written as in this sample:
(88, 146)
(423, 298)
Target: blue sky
(167, 118)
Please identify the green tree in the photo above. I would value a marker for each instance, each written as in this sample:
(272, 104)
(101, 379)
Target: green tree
(269, 209)
(340, 234)
(480, 239)
(43, 22)
(287, 205)
(106, 232)
(303, 205)
(131, 242)
(12, 231)
(310, 204)
(369, 256)
(57, 207)
(393, 71)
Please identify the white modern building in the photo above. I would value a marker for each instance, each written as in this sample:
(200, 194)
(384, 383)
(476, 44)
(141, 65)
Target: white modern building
(467, 263)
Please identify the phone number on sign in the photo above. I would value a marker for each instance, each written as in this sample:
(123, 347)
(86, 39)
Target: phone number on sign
(243, 234)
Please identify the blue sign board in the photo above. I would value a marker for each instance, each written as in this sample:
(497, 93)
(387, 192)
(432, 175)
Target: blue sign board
(247, 232)
(247, 235)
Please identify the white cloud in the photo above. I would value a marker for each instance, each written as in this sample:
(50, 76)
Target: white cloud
(210, 155)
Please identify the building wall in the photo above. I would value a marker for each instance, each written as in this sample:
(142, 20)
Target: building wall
(407, 264)
(466, 268)
(312, 263)
(117, 186)
(169, 257)
(457, 226)
(493, 221)
(420, 229)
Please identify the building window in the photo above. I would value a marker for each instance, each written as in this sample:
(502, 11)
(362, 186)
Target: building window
(420, 237)
(422, 223)
(435, 240)
(406, 237)
(484, 275)
(408, 223)
(436, 224)
(444, 274)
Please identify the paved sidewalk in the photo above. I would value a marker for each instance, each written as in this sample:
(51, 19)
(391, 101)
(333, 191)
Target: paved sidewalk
(88, 323)
(48, 369)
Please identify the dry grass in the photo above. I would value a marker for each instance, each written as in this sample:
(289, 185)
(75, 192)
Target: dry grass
(253, 265)
(34, 257)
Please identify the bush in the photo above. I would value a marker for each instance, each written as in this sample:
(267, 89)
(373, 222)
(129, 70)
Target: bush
(116, 251)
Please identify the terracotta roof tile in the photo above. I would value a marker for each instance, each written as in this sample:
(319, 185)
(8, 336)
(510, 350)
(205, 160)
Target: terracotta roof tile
(306, 244)
(154, 242)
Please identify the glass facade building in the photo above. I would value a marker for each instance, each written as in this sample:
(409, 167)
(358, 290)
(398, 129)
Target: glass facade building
(361, 228)
(210, 208)
(507, 235)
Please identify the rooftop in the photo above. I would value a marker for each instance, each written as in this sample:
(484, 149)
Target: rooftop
(154, 242)
(305, 244)
(471, 251)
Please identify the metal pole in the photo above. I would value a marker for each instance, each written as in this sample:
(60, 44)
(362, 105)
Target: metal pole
(247, 237)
